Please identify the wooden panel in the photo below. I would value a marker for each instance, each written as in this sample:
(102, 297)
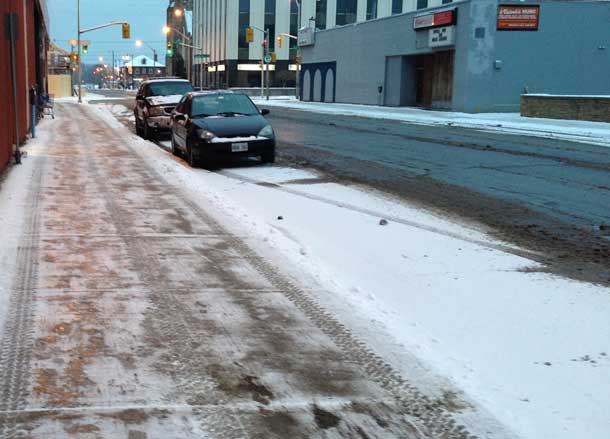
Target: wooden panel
(442, 79)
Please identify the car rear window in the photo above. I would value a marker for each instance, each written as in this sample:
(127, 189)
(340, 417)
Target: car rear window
(169, 88)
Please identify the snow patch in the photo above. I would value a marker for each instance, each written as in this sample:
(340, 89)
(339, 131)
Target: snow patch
(13, 205)
(236, 139)
(164, 100)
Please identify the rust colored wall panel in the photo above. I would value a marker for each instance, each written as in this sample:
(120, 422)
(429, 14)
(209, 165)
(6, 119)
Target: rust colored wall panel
(6, 134)
(27, 22)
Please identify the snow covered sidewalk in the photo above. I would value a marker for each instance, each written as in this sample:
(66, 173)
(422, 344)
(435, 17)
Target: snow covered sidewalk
(573, 130)
(530, 347)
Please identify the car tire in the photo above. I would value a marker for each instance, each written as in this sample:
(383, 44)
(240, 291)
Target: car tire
(193, 162)
(174, 147)
(148, 132)
(138, 127)
(268, 157)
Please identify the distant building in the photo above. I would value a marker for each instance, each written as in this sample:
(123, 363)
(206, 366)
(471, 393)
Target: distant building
(179, 62)
(219, 28)
(140, 68)
(60, 72)
(31, 42)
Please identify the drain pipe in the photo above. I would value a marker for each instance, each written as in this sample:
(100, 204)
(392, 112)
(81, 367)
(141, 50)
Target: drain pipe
(13, 31)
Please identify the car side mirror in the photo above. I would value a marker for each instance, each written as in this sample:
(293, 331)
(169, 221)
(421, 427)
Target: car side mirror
(264, 111)
(179, 116)
(139, 97)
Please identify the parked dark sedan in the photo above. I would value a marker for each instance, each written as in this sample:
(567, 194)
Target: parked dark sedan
(211, 126)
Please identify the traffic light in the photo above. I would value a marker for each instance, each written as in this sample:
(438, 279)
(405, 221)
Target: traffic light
(170, 48)
(126, 31)
(85, 47)
(74, 57)
(249, 35)
(273, 57)
(279, 42)
(298, 59)
(265, 43)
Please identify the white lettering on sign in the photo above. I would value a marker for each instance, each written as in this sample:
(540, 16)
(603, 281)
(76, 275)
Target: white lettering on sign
(441, 36)
(423, 21)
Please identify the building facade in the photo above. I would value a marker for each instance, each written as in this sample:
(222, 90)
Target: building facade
(469, 55)
(219, 30)
(178, 60)
(30, 41)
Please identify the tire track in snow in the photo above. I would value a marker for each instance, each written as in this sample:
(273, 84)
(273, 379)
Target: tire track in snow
(17, 341)
(428, 416)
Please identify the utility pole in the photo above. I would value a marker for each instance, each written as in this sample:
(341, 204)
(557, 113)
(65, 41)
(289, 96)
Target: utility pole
(80, 91)
(126, 33)
(266, 65)
(71, 70)
(263, 71)
(113, 71)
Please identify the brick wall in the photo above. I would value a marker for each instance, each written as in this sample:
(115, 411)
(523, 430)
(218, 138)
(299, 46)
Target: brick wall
(594, 108)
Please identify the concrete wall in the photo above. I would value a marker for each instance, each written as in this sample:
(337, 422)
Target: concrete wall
(594, 108)
(361, 49)
(59, 86)
(569, 54)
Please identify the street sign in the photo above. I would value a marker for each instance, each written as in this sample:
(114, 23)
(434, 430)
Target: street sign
(267, 59)
(520, 17)
(202, 55)
(306, 36)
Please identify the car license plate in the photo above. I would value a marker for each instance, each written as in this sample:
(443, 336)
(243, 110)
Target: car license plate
(239, 147)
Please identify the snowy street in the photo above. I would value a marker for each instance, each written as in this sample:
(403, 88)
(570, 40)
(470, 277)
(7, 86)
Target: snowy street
(146, 299)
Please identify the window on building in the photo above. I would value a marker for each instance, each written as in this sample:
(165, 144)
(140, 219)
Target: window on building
(294, 27)
(422, 4)
(396, 7)
(346, 11)
(270, 22)
(447, 1)
(244, 22)
(321, 14)
(371, 9)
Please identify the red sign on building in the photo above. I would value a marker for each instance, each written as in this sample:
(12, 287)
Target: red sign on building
(442, 18)
(522, 17)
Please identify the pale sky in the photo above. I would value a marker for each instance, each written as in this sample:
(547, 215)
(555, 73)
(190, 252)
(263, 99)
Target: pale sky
(146, 17)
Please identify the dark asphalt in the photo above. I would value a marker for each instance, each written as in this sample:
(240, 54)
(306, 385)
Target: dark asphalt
(566, 180)
(546, 195)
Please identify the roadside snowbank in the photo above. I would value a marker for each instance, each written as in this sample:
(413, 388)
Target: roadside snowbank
(89, 97)
(531, 348)
(14, 186)
(579, 131)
